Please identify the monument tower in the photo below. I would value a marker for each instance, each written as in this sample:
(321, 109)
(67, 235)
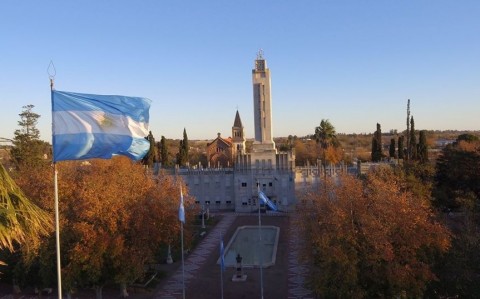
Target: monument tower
(262, 105)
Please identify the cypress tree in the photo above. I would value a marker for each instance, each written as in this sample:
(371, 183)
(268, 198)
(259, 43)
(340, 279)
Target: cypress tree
(374, 149)
(400, 147)
(182, 156)
(408, 129)
(391, 150)
(422, 147)
(377, 152)
(163, 151)
(150, 156)
(185, 145)
(413, 140)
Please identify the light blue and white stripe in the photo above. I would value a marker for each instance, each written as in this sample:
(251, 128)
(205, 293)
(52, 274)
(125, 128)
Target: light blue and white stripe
(181, 209)
(99, 126)
(266, 200)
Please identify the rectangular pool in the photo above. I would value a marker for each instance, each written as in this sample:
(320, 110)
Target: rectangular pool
(246, 242)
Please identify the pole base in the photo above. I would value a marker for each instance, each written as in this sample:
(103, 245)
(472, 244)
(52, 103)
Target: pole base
(239, 278)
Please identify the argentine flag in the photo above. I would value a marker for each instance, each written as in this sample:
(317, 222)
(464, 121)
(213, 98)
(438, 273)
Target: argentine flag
(266, 200)
(181, 209)
(89, 126)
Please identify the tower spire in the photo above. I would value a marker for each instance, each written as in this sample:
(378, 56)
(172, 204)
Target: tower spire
(260, 54)
(238, 136)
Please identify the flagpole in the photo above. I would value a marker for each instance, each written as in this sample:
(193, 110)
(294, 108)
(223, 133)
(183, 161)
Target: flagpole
(222, 265)
(57, 214)
(260, 242)
(181, 217)
(183, 262)
(57, 232)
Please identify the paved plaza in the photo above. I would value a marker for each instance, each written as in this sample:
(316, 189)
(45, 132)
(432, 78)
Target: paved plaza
(285, 279)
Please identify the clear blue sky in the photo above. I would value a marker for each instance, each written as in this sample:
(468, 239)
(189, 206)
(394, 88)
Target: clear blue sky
(353, 62)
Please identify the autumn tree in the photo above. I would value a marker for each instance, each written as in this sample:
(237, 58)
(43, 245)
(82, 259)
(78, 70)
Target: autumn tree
(28, 150)
(457, 175)
(369, 238)
(459, 269)
(122, 244)
(469, 138)
(457, 182)
(306, 152)
(114, 218)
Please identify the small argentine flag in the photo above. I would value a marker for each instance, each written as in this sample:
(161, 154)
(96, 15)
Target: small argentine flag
(181, 210)
(267, 201)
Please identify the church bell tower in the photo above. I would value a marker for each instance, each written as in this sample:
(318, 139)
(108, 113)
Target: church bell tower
(238, 136)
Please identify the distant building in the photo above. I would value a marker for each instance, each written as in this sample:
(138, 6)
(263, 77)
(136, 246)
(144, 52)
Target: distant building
(220, 153)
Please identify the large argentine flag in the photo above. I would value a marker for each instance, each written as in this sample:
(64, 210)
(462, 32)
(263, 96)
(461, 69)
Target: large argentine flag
(98, 126)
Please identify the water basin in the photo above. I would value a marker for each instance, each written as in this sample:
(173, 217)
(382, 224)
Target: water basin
(246, 242)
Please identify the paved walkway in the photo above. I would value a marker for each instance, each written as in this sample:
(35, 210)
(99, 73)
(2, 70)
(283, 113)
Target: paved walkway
(297, 271)
(173, 287)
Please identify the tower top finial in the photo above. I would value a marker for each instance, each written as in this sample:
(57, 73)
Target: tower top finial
(260, 54)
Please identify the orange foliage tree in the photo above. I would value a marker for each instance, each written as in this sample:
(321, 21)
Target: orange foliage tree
(369, 238)
(114, 218)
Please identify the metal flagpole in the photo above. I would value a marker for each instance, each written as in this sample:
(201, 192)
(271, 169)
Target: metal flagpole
(57, 214)
(57, 232)
(260, 242)
(181, 217)
(222, 263)
(183, 262)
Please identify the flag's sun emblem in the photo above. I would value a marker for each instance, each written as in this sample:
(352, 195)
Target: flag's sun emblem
(106, 121)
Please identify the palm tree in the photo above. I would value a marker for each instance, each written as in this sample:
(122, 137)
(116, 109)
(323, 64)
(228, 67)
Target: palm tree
(326, 136)
(21, 221)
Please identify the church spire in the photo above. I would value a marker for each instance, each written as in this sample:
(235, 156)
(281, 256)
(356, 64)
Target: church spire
(238, 122)
(238, 136)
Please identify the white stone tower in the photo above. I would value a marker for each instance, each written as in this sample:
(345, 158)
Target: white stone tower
(262, 105)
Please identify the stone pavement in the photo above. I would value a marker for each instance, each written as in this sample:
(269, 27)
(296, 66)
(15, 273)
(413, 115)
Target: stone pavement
(173, 287)
(297, 271)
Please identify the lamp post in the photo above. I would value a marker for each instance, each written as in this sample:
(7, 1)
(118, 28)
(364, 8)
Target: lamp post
(203, 216)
